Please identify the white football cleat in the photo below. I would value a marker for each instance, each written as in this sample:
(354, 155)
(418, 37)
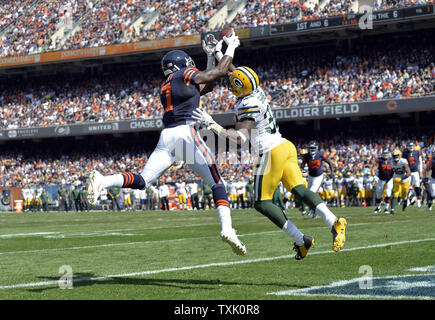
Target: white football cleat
(229, 236)
(94, 187)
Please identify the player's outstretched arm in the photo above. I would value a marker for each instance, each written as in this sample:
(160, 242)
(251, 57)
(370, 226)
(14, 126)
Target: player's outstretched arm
(210, 75)
(239, 134)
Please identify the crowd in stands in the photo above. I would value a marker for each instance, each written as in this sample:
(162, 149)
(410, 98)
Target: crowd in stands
(33, 23)
(178, 18)
(28, 26)
(372, 70)
(54, 167)
(108, 23)
(354, 156)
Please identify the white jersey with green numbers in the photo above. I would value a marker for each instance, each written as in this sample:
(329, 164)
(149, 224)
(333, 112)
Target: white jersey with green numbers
(265, 134)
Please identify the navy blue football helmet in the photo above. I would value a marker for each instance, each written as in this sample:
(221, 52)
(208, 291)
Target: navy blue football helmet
(176, 60)
(313, 147)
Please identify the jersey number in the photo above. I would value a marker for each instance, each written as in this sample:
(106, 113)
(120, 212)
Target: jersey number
(272, 122)
(386, 167)
(411, 160)
(167, 90)
(314, 164)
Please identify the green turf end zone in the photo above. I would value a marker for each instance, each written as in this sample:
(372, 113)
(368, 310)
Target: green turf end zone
(178, 255)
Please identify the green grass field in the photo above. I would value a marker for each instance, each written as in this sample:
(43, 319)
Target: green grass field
(178, 255)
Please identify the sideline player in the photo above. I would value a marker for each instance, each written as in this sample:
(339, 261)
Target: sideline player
(180, 96)
(314, 158)
(401, 179)
(180, 187)
(430, 178)
(385, 181)
(277, 159)
(415, 162)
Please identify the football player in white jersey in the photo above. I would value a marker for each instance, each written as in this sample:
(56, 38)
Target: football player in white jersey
(27, 195)
(277, 158)
(401, 178)
(232, 188)
(328, 187)
(339, 185)
(181, 193)
(369, 183)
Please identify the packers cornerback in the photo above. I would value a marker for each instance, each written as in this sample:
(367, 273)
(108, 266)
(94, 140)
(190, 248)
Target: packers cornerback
(277, 158)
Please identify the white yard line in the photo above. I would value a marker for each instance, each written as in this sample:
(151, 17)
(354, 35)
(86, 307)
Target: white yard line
(127, 243)
(202, 266)
(15, 235)
(306, 291)
(142, 242)
(58, 235)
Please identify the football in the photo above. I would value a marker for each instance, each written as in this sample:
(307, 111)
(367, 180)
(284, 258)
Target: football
(226, 31)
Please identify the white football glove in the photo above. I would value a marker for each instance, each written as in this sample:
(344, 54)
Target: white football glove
(232, 41)
(202, 117)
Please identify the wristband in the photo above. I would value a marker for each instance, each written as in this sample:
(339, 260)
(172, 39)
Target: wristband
(230, 50)
(219, 55)
(216, 128)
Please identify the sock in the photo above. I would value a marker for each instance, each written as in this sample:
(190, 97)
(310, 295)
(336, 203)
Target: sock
(326, 214)
(393, 203)
(293, 232)
(272, 212)
(116, 180)
(387, 203)
(224, 213)
(124, 180)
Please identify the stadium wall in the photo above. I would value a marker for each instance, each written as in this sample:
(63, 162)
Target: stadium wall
(357, 109)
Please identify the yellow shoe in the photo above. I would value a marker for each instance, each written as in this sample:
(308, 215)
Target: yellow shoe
(338, 234)
(302, 251)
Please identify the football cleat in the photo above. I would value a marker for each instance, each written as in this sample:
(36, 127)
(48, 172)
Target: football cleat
(94, 187)
(429, 207)
(387, 211)
(392, 212)
(377, 210)
(413, 201)
(405, 204)
(229, 236)
(418, 203)
(302, 251)
(304, 212)
(338, 234)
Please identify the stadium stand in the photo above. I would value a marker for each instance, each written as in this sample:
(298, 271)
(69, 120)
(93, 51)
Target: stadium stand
(68, 163)
(371, 70)
(42, 25)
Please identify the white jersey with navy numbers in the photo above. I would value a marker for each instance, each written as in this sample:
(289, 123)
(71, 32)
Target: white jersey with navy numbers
(265, 134)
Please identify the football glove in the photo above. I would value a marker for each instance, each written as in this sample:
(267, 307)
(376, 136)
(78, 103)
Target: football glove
(202, 117)
(232, 41)
(209, 44)
(205, 120)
